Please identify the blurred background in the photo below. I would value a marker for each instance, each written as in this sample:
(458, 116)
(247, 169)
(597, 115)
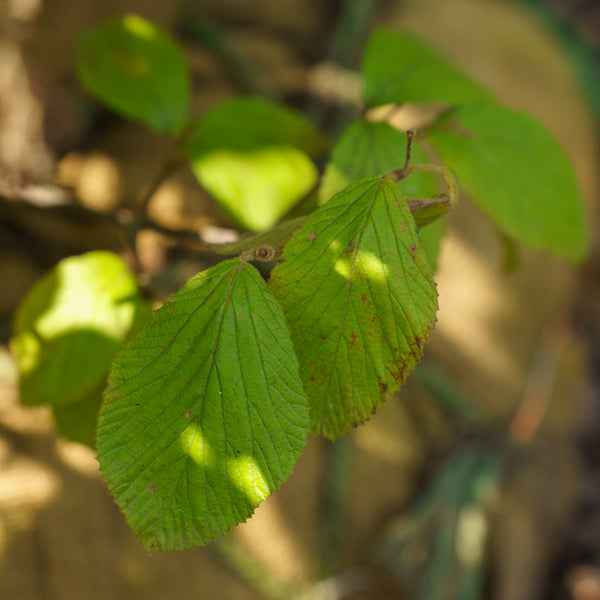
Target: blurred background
(480, 479)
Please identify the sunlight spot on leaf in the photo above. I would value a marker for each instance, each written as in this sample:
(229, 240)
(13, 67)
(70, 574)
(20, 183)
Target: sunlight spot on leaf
(368, 264)
(193, 443)
(139, 27)
(247, 476)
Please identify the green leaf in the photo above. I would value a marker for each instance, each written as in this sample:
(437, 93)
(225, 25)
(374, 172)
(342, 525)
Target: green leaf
(515, 170)
(360, 301)
(77, 421)
(204, 414)
(369, 148)
(431, 239)
(278, 236)
(253, 157)
(70, 326)
(399, 67)
(137, 70)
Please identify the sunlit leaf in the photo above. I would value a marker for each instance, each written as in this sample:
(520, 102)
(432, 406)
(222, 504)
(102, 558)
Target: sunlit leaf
(399, 67)
(70, 326)
(360, 301)
(204, 414)
(253, 157)
(367, 148)
(515, 169)
(136, 70)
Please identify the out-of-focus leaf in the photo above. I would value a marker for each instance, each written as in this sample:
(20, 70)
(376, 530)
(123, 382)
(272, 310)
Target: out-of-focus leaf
(70, 326)
(399, 67)
(136, 70)
(360, 301)
(204, 414)
(253, 157)
(77, 421)
(515, 170)
(431, 239)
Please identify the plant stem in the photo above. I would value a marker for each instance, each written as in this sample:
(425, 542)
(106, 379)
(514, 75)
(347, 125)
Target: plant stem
(333, 506)
(169, 168)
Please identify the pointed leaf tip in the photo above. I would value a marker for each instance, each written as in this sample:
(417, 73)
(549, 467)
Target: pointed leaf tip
(204, 414)
(360, 301)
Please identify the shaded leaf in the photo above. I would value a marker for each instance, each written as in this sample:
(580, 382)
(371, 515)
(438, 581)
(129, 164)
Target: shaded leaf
(253, 157)
(399, 67)
(70, 326)
(137, 70)
(431, 240)
(204, 414)
(360, 301)
(77, 421)
(515, 170)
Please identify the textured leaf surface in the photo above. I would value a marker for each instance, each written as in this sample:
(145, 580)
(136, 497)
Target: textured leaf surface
(137, 70)
(278, 236)
(513, 167)
(253, 157)
(360, 301)
(399, 67)
(204, 414)
(70, 326)
(368, 148)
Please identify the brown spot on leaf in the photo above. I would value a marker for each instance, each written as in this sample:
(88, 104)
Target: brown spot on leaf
(349, 248)
(353, 337)
(312, 236)
(383, 386)
(418, 341)
(152, 488)
(188, 413)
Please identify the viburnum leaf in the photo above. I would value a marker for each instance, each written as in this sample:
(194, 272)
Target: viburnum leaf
(204, 414)
(398, 67)
(360, 301)
(253, 156)
(137, 70)
(512, 166)
(71, 324)
(370, 148)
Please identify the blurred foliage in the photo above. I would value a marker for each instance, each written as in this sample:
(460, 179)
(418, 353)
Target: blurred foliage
(67, 331)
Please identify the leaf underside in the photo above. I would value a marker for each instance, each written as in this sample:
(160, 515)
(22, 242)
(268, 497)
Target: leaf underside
(360, 301)
(204, 414)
